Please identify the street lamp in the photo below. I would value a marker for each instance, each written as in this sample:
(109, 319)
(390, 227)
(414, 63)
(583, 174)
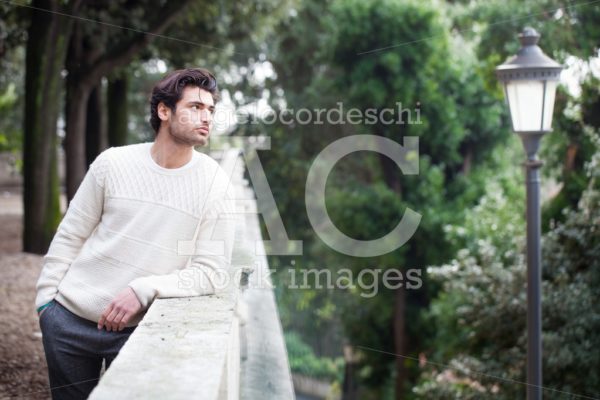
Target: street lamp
(530, 80)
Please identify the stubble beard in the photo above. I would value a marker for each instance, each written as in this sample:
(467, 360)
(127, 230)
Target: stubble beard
(188, 139)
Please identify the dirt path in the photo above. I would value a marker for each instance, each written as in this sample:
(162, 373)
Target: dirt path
(23, 371)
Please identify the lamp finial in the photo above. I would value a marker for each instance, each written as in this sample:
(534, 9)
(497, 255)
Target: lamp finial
(529, 37)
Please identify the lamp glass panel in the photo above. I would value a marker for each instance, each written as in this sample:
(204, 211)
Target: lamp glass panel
(549, 104)
(525, 102)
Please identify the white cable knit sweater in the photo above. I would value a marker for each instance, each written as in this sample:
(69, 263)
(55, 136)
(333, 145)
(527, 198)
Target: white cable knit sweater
(123, 228)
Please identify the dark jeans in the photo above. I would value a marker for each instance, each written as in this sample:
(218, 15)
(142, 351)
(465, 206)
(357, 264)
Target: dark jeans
(75, 349)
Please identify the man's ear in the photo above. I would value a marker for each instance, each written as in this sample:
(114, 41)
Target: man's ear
(163, 111)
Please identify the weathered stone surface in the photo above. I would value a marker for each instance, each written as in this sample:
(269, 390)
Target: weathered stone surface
(178, 351)
(265, 372)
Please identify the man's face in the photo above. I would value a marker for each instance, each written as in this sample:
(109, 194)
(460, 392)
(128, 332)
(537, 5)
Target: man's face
(192, 120)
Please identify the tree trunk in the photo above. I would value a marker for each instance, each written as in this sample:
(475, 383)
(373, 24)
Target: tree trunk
(86, 66)
(467, 161)
(95, 138)
(350, 384)
(391, 173)
(569, 165)
(117, 111)
(400, 340)
(48, 37)
(76, 109)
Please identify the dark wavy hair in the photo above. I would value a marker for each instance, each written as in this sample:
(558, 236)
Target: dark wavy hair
(169, 90)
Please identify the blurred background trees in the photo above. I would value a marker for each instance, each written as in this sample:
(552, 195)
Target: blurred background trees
(75, 51)
(84, 85)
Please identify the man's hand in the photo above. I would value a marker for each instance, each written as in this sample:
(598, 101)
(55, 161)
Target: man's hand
(119, 311)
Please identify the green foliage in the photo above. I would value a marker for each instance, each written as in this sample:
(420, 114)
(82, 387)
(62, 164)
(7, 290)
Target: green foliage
(460, 124)
(364, 211)
(566, 31)
(497, 218)
(568, 148)
(12, 31)
(480, 314)
(469, 189)
(304, 361)
(379, 79)
(451, 144)
(10, 135)
(221, 33)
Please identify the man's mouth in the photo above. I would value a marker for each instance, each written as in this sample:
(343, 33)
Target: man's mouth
(203, 130)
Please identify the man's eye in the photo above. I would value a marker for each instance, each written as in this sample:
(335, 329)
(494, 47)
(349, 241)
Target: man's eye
(196, 107)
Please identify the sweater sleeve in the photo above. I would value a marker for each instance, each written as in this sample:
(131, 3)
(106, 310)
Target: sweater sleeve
(80, 220)
(209, 271)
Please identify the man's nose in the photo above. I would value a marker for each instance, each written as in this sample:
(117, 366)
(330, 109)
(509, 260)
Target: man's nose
(205, 116)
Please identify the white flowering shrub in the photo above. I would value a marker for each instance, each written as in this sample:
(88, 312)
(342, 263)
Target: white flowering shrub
(479, 350)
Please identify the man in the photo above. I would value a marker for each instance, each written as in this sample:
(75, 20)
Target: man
(116, 249)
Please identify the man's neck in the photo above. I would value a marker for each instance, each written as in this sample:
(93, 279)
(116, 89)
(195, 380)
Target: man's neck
(169, 154)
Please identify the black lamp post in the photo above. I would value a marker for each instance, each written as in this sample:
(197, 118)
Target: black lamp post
(530, 80)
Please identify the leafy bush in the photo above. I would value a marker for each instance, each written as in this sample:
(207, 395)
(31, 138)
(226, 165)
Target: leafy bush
(480, 314)
(304, 361)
